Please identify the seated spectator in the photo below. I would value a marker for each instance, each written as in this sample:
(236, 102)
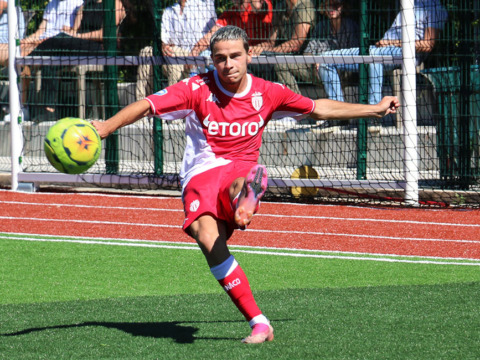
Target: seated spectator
(253, 16)
(58, 15)
(4, 53)
(430, 18)
(183, 25)
(84, 37)
(4, 30)
(290, 35)
(334, 30)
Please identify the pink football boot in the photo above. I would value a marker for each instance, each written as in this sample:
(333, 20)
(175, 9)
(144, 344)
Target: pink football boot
(253, 190)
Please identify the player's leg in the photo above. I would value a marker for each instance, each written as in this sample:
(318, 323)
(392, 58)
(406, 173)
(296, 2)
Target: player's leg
(247, 202)
(211, 236)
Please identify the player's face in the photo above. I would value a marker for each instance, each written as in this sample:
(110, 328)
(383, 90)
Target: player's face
(231, 59)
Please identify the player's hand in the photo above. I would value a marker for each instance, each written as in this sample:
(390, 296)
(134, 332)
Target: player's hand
(101, 127)
(389, 105)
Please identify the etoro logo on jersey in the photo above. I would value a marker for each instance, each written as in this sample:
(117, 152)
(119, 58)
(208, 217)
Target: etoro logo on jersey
(224, 128)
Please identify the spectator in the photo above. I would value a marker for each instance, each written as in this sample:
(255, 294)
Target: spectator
(430, 18)
(183, 25)
(253, 16)
(4, 30)
(291, 29)
(4, 54)
(84, 37)
(334, 30)
(58, 15)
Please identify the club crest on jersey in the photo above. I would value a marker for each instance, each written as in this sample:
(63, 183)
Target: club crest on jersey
(257, 101)
(194, 205)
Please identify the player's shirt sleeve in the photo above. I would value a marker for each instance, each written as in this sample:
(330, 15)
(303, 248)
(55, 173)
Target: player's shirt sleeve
(289, 104)
(173, 102)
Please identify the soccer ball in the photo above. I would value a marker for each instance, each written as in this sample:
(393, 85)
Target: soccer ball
(72, 145)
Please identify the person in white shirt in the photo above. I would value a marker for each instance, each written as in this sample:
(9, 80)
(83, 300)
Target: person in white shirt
(4, 30)
(430, 18)
(59, 15)
(183, 24)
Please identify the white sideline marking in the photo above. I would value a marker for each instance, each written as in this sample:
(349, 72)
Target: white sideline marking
(257, 215)
(89, 206)
(250, 230)
(274, 251)
(372, 220)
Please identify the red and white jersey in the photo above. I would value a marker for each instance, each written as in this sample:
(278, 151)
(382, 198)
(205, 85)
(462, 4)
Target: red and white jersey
(222, 126)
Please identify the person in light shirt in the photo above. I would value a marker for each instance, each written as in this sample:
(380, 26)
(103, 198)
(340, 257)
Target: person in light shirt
(183, 24)
(4, 30)
(59, 15)
(430, 18)
(226, 111)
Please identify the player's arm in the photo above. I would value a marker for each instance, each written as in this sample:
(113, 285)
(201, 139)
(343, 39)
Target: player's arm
(124, 117)
(326, 109)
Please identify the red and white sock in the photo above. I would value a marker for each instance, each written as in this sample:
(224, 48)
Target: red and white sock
(234, 281)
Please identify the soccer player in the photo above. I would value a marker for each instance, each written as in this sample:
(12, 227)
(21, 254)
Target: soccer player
(226, 111)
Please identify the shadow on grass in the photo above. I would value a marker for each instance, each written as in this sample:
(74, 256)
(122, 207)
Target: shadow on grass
(175, 330)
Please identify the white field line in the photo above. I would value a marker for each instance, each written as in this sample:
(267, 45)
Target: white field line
(87, 194)
(250, 230)
(187, 243)
(272, 252)
(91, 206)
(433, 223)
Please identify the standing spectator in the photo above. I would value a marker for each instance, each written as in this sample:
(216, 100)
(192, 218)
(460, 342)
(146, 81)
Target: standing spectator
(430, 18)
(183, 25)
(226, 111)
(290, 35)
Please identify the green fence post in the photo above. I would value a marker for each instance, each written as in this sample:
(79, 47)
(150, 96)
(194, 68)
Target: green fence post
(157, 85)
(466, 61)
(475, 121)
(111, 78)
(363, 95)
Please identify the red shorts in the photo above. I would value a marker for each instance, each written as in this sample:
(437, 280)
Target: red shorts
(208, 193)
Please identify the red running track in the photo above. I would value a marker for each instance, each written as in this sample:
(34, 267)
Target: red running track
(400, 231)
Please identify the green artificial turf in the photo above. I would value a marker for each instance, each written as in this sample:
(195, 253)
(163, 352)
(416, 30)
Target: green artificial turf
(104, 301)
